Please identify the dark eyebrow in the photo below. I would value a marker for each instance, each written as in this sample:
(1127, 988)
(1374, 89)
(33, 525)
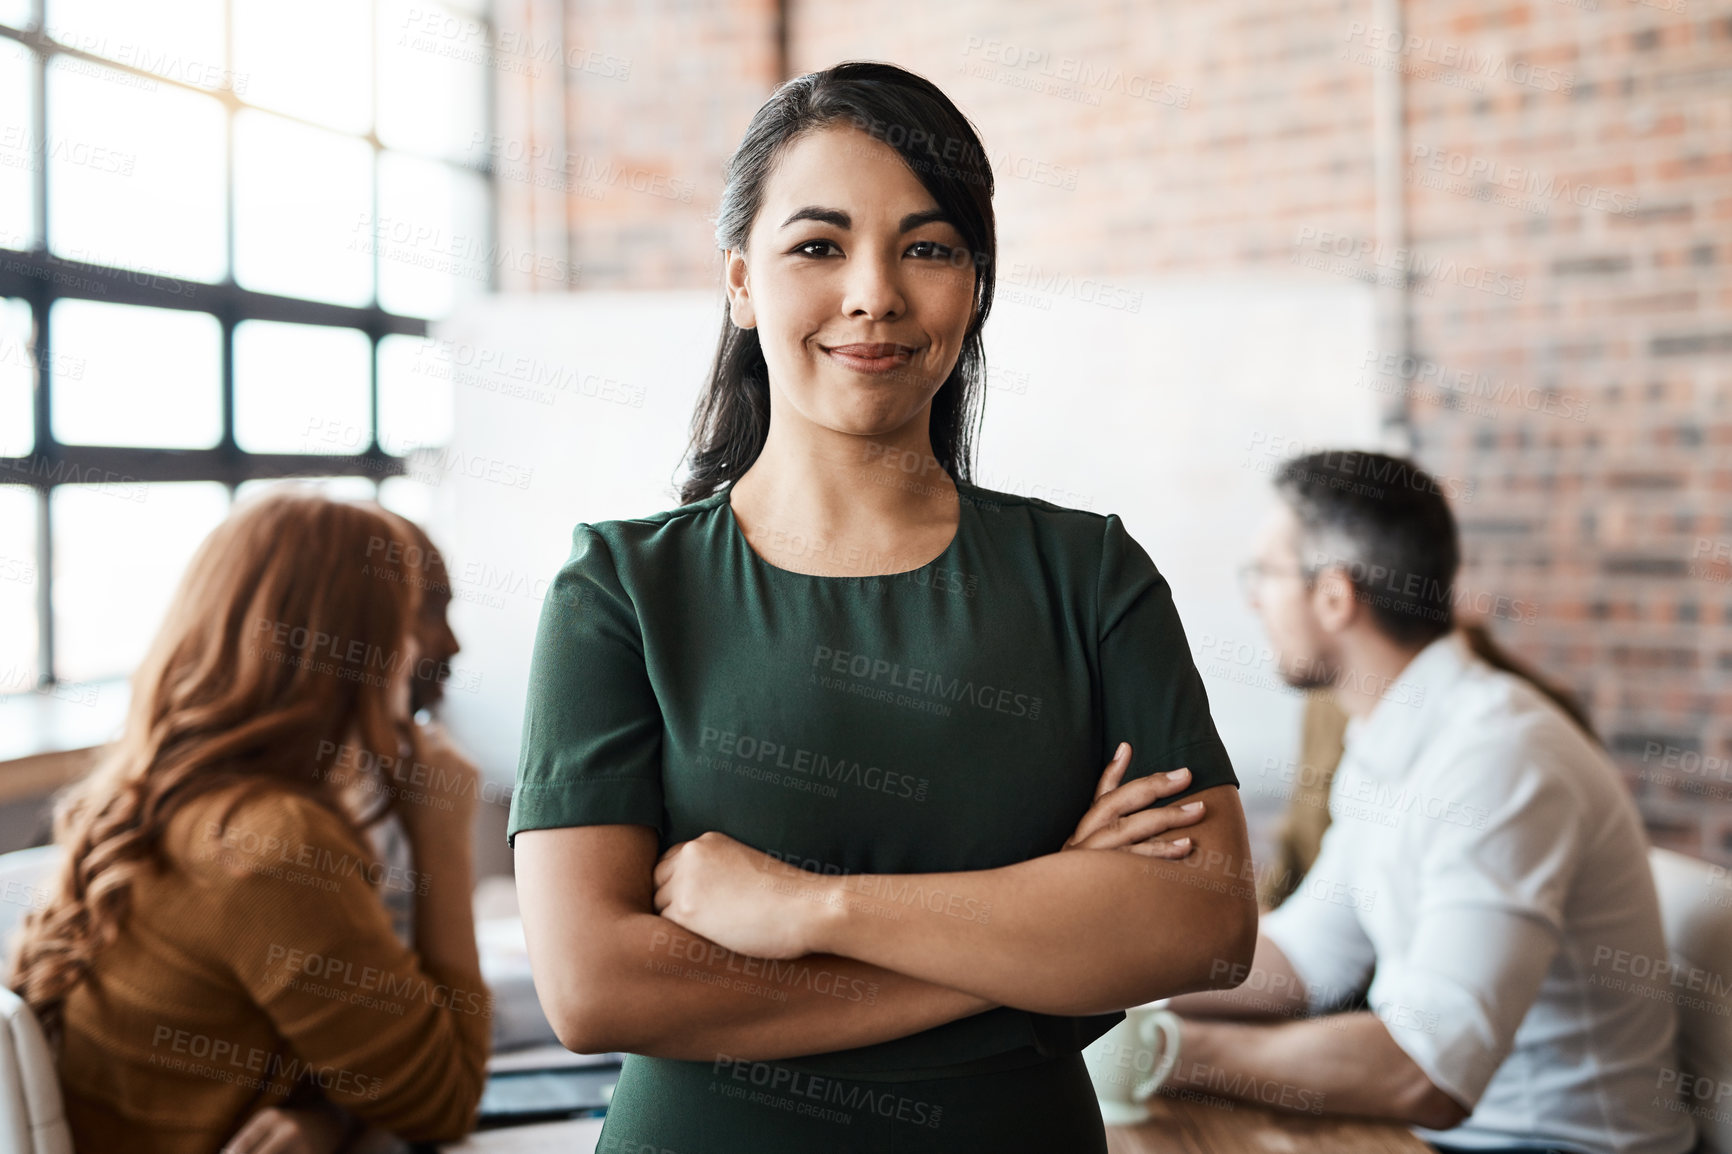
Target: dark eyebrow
(840, 219)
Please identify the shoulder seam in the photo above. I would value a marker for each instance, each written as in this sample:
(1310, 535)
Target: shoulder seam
(663, 517)
(999, 497)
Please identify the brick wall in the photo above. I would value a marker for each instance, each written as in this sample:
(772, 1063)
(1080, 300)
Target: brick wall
(1567, 180)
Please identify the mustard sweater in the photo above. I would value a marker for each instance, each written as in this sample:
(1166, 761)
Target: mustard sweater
(264, 956)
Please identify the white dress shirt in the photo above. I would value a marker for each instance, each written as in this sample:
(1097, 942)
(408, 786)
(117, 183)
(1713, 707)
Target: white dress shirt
(1485, 862)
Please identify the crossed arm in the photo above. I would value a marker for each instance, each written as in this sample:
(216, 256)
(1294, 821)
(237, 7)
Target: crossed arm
(718, 949)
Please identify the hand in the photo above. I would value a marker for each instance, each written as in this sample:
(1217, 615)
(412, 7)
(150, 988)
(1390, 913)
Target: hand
(437, 790)
(1120, 819)
(741, 899)
(317, 1129)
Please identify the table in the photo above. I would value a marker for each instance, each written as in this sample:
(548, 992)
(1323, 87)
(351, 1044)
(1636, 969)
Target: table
(1178, 1126)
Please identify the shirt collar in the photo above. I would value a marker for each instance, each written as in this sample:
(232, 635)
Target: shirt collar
(1386, 741)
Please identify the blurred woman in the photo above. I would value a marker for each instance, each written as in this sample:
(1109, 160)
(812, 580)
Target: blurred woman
(217, 968)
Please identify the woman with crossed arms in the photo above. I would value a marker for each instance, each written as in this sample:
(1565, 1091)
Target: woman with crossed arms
(809, 819)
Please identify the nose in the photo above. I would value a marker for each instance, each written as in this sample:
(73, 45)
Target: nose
(874, 289)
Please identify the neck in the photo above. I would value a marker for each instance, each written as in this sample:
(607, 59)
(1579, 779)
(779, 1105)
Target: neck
(810, 475)
(1370, 664)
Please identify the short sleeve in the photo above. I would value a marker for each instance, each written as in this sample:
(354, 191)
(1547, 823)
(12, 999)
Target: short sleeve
(1317, 929)
(1151, 693)
(592, 728)
(1490, 919)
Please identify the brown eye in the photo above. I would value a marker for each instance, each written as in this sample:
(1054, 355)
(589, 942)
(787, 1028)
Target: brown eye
(929, 250)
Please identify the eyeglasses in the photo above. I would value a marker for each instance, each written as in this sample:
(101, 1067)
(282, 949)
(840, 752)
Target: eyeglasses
(1252, 573)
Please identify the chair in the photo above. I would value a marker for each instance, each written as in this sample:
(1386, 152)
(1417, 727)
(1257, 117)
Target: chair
(1696, 908)
(32, 1116)
(24, 879)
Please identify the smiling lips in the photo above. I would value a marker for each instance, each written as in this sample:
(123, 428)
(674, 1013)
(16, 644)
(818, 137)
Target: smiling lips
(871, 358)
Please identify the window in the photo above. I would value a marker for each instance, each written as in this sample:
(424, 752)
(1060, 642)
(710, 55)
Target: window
(223, 226)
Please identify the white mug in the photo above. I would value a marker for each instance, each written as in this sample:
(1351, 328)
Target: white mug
(1129, 1062)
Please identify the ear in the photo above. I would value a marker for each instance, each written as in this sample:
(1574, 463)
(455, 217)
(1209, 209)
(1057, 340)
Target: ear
(1333, 599)
(740, 309)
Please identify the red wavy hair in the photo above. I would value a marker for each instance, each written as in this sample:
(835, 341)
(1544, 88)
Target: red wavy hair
(279, 647)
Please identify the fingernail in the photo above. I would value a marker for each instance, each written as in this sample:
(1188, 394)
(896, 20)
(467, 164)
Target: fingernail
(1193, 807)
(1180, 771)
(1120, 751)
(1182, 841)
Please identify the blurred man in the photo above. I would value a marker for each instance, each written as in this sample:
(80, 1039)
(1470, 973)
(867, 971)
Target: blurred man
(1483, 883)
(438, 644)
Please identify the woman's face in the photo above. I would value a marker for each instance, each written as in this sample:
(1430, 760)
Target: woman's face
(860, 290)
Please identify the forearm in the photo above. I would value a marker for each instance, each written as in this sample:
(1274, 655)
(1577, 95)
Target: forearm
(1340, 1064)
(1079, 932)
(444, 910)
(659, 990)
(1268, 988)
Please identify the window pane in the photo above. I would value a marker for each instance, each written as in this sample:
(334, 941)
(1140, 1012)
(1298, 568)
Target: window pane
(18, 377)
(136, 376)
(303, 211)
(18, 576)
(180, 39)
(312, 59)
(15, 13)
(433, 71)
(17, 147)
(407, 497)
(342, 488)
(415, 400)
(136, 175)
(105, 613)
(432, 235)
(301, 388)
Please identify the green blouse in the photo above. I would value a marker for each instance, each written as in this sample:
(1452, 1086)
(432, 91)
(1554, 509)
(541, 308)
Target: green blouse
(953, 717)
